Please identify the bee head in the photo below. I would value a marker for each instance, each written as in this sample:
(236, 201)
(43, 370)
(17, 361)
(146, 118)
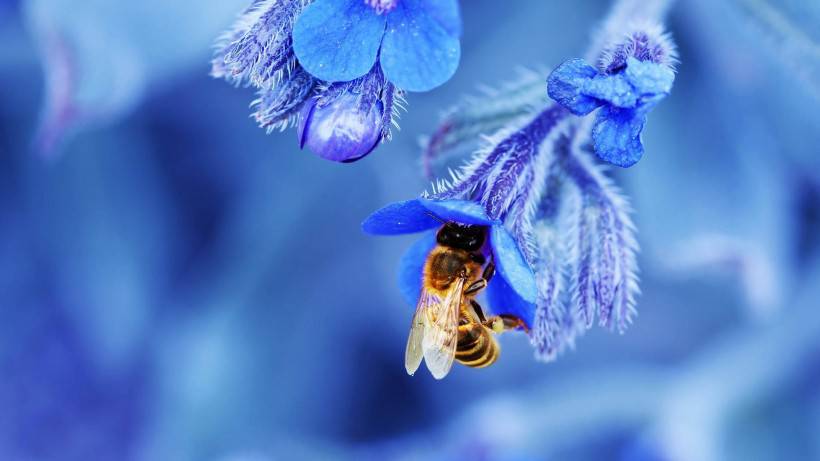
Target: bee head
(469, 238)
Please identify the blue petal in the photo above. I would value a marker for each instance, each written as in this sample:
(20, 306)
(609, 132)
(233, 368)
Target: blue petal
(446, 13)
(400, 218)
(460, 211)
(616, 135)
(511, 265)
(338, 40)
(411, 267)
(649, 78)
(418, 53)
(565, 86)
(502, 299)
(614, 89)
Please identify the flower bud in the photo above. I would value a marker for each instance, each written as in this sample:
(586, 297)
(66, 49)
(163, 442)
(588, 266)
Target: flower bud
(344, 129)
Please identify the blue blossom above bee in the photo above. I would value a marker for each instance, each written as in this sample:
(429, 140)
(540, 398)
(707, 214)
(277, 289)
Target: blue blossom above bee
(416, 42)
(631, 78)
(513, 289)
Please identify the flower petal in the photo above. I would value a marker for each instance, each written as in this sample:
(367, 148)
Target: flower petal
(503, 299)
(578, 86)
(616, 135)
(338, 40)
(418, 53)
(614, 89)
(400, 218)
(565, 86)
(511, 265)
(411, 267)
(446, 13)
(648, 78)
(460, 211)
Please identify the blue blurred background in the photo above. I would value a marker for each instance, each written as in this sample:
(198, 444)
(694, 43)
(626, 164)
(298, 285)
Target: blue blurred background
(177, 285)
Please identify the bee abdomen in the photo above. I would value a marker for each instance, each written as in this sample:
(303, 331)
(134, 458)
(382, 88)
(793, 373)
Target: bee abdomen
(476, 346)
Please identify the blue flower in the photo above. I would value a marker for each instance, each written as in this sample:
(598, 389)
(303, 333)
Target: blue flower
(341, 121)
(625, 93)
(415, 41)
(512, 290)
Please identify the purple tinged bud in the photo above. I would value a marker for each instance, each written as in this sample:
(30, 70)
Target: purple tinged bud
(343, 129)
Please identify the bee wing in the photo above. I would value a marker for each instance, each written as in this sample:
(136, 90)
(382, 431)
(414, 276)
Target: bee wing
(441, 329)
(414, 352)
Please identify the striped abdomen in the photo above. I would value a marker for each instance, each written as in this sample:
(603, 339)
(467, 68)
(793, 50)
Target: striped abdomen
(476, 346)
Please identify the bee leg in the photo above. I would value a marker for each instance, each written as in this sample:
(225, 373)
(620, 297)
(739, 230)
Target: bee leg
(475, 287)
(478, 311)
(512, 322)
(489, 270)
(481, 283)
(505, 322)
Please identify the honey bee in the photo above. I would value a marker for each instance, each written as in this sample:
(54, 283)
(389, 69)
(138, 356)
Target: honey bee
(449, 324)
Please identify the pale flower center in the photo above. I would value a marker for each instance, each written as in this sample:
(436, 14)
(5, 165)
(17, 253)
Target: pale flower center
(382, 6)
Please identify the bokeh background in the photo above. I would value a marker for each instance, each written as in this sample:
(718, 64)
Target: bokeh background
(177, 285)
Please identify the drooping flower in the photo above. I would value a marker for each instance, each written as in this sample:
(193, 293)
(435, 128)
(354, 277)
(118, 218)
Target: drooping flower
(631, 78)
(512, 290)
(416, 42)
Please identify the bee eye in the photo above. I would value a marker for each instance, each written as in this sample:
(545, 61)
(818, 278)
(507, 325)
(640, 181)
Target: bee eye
(443, 237)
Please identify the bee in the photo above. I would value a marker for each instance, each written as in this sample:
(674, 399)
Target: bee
(448, 323)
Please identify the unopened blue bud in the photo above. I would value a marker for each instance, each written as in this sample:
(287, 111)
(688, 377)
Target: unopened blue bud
(343, 130)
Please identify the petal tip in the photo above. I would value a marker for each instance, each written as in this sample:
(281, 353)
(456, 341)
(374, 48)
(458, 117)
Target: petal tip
(418, 53)
(397, 218)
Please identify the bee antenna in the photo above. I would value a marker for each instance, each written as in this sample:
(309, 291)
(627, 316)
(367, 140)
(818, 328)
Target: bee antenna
(435, 217)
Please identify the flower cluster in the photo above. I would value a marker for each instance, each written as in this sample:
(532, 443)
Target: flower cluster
(338, 69)
(534, 181)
